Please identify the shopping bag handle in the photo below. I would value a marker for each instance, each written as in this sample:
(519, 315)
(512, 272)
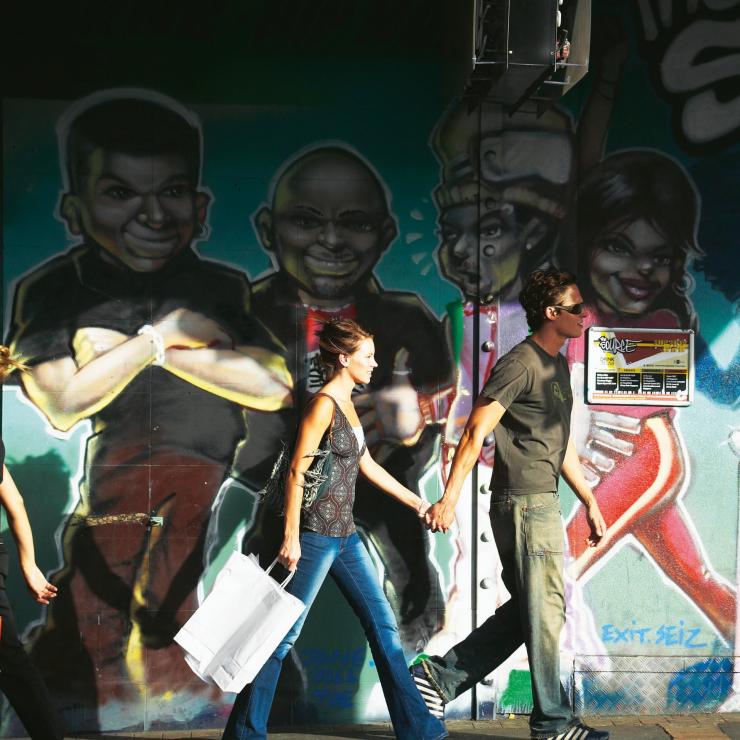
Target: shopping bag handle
(288, 577)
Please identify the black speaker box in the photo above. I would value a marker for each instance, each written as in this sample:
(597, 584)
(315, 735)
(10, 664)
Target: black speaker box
(529, 49)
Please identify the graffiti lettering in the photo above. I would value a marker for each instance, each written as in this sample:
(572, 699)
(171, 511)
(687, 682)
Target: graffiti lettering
(611, 633)
(332, 698)
(697, 66)
(334, 673)
(670, 635)
(315, 374)
(671, 345)
(707, 114)
(614, 345)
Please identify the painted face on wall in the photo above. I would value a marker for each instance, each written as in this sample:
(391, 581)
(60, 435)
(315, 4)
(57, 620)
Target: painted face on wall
(328, 226)
(501, 248)
(142, 210)
(630, 267)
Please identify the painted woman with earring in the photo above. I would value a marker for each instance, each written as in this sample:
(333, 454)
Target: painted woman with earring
(19, 680)
(321, 540)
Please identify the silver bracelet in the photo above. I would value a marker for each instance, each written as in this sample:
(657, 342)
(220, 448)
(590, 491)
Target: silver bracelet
(157, 341)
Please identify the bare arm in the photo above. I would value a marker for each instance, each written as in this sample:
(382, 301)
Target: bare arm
(12, 501)
(574, 477)
(250, 376)
(485, 416)
(381, 478)
(593, 124)
(310, 433)
(66, 392)
(105, 362)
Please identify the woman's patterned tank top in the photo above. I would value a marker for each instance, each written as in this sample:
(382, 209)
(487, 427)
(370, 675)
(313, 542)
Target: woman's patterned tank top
(331, 514)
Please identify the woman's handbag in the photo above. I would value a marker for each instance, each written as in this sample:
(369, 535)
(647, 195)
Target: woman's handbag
(239, 624)
(315, 479)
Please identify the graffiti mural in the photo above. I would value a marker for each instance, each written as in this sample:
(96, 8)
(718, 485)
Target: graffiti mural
(693, 51)
(133, 331)
(167, 264)
(639, 241)
(326, 226)
(637, 214)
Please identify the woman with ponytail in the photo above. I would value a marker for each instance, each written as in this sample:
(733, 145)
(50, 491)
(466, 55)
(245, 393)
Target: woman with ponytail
(321, 540)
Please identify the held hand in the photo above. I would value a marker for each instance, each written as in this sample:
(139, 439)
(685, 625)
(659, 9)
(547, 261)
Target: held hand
(440, 516)
(596, 523)
(422, 509)
(191, 330)
(41, 590)
(290, 553)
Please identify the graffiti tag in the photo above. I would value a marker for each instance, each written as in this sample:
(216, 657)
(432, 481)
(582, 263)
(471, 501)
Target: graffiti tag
(335, 674)
(697, 66)
(614, 345)
(670, 635)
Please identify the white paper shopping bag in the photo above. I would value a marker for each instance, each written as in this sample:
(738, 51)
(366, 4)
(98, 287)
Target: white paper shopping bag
(239, 624)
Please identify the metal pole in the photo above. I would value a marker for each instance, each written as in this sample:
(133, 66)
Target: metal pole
(476, 388)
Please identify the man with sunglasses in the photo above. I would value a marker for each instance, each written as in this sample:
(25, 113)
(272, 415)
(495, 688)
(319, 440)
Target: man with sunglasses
(527, 403)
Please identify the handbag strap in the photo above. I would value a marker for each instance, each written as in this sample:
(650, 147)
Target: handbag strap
(333, 413)
(287, 578)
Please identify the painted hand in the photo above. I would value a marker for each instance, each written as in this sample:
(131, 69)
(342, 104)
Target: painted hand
(90, 342)
(392, 413)
(191, 330)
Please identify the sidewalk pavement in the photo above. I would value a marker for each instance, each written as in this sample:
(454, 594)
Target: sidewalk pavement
(662, 727)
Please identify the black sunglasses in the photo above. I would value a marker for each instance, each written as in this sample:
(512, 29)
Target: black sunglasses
(576, 308)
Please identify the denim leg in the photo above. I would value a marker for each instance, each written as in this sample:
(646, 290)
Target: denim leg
(357, 579)
(542, 600)
(529, 537)
(491, 643)
(248, 718)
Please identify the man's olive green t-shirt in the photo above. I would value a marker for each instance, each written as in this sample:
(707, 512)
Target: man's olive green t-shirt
(532, 436)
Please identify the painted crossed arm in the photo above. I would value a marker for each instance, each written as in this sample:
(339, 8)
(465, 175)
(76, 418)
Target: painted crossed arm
(105, 362)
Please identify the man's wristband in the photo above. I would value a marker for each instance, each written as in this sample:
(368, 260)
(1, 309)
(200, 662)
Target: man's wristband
(157, 342)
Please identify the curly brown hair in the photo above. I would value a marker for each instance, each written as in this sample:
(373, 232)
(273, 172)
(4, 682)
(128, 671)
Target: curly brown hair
(543, 288)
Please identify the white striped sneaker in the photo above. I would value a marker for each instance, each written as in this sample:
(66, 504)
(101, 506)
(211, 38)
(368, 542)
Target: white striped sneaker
(435, 703)
(580, 732)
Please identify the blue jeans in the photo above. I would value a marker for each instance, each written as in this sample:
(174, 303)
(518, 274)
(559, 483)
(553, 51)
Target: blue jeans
(529, 537)
(348, 563)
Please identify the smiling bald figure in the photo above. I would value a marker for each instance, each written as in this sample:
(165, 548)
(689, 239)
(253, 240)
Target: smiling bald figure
(328, 225)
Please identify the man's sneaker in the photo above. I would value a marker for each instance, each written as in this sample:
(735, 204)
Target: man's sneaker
(435, 703)
(580, 732)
